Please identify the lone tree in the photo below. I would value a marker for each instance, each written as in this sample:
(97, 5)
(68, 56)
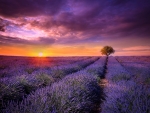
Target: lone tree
(107, 50)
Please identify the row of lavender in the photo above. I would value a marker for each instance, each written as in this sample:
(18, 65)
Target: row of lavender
(140, 69)
(12, 66)
(76, 93)
(124, 93)
(134, 59)
(15, 87)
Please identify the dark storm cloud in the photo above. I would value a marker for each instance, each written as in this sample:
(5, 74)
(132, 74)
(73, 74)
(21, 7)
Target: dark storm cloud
(11, 41)
(134, 23)
(17, 8)
(2, 28)
(2, 25)
(94, 20)
(119, 2)
(122, 18)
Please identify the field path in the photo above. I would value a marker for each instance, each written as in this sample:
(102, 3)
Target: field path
(103, 82)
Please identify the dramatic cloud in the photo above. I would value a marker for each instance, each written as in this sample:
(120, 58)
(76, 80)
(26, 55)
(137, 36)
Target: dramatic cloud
(75, 22)
(17, 8)
(41, 41)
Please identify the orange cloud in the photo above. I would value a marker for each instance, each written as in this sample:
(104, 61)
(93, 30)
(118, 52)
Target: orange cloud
(138, 48)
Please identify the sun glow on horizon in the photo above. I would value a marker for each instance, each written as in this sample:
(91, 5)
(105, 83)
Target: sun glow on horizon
(40, 54)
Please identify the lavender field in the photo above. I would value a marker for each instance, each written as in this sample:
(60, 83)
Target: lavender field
(75, 84)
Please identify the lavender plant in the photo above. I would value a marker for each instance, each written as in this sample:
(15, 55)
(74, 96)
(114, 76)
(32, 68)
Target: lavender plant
(140, 71)
(78, 92)
(124, 95)
(12, 66)
(27, 84)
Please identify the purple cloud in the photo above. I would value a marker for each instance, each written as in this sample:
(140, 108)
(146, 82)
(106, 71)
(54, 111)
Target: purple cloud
(13, 8)
(11, 41)
(78, 21)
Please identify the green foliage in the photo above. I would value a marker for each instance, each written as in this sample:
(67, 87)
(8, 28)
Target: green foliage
(147, 81)
(12, 92)
(30, 70)
(78, 67)
(120, 77)
(107, 50)
(3, 74)
(24, 83)
(2, 67)
(98, 79)
(58, 73)
(44, 79)
(93, 71)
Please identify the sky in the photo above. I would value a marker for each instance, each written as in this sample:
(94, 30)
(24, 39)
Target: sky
(74, 27)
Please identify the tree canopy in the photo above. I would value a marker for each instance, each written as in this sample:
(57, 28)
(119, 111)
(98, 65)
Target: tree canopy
(107, 50)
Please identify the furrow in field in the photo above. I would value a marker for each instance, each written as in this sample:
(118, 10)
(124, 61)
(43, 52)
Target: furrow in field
(123, 94)
(103, 83)
(77, 92)
(140, 72)
(17, 87)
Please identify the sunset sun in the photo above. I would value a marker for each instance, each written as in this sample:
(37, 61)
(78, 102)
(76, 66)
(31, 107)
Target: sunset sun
(40, 54)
